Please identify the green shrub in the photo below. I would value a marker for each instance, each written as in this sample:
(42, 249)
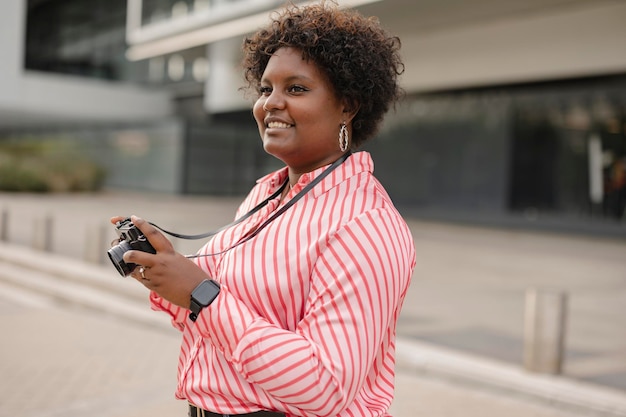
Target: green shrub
(47, 166)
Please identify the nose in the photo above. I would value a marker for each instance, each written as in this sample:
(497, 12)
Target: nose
(274, 101)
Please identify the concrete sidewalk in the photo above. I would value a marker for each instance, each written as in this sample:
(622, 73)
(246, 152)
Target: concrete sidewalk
(461, 330)
(72, 362)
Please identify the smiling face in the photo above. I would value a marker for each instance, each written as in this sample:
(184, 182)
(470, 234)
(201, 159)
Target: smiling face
(298, 112)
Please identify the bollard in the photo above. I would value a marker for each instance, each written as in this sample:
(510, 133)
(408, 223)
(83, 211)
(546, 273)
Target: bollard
(544, 330)
(4, 226)
(96, 243)
(42, 233)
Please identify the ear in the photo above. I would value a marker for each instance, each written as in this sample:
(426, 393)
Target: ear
(350, 109)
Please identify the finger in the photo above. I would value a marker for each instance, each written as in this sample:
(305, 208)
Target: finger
(116, 219)
(136, 275)
(154, 236)
(140, 258)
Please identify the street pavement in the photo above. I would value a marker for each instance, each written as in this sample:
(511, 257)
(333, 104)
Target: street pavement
(66, 362)
(78, 338)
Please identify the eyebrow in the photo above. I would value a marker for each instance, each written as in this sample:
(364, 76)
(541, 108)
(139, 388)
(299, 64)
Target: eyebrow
(293, 78)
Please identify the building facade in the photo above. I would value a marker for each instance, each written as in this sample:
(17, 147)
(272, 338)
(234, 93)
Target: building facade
(514, 111)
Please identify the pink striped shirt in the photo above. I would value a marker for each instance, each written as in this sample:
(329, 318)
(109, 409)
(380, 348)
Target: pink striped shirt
(305, 323)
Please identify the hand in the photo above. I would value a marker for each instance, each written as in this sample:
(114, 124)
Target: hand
(168, 273)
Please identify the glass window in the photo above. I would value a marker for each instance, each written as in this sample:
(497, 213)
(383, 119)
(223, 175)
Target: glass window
(77, 37)
(551, 150)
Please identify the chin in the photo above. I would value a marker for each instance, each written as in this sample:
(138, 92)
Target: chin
(279, 152)
(272, 148)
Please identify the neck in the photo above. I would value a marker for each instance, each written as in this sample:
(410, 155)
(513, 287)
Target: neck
(293, 179)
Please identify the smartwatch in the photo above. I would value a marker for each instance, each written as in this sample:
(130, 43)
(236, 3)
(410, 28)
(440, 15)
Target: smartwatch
(202, 296)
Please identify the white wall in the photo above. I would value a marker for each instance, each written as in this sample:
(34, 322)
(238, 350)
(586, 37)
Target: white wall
(560, 43)
(221, 91)
(11, 47)
(62, 96)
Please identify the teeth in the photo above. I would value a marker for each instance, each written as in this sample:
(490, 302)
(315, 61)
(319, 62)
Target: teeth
(277, 125)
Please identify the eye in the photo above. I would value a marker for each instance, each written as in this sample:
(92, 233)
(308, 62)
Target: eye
(264, 90)
(297, 89)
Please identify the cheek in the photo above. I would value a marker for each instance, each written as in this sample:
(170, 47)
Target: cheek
(258, 112)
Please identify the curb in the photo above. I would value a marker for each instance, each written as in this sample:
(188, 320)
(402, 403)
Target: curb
(556, 391)
(77, 283)
(99, 287)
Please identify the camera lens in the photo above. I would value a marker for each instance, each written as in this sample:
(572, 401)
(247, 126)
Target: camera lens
(116, 254)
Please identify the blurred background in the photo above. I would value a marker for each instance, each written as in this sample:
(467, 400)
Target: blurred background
(507, 156)
(514, 111)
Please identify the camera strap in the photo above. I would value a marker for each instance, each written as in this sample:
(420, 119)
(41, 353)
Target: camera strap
(262, 204)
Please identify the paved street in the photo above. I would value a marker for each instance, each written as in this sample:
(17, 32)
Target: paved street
(74, 362)
(460, 342)
(69, 362)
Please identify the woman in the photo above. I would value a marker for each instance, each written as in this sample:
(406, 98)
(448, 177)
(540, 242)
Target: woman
(292, 311)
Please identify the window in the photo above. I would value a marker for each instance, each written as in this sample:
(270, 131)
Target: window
(77, 37)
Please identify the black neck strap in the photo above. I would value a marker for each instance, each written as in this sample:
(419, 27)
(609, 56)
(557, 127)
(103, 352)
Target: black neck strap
(262, 204)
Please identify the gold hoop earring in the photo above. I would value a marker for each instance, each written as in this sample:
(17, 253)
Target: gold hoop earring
(344, 138)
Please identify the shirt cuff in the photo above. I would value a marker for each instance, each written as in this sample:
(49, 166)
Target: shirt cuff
(177, 314)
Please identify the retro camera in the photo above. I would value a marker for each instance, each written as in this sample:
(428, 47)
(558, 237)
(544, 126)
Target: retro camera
(130, 238)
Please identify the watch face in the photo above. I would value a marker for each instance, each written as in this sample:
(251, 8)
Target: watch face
(206, 292)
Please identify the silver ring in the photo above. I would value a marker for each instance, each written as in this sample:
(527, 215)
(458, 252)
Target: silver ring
(142, 269)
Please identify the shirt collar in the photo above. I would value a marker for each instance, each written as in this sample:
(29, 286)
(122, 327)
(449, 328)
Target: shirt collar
(357, 163)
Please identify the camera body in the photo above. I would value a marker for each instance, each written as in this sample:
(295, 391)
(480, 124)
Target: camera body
(130, 238)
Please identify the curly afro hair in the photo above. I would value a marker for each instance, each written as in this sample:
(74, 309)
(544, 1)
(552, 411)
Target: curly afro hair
(361, 60)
